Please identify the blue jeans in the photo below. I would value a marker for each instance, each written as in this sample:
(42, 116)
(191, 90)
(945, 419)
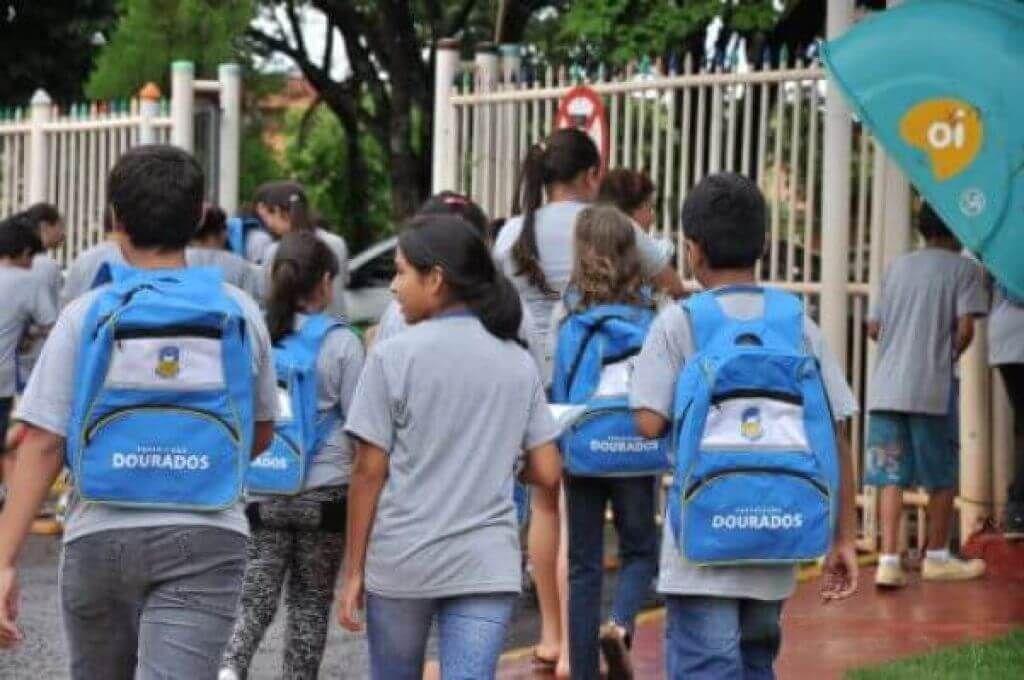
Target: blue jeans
(471, 630)
(632, 500)
(714, 638)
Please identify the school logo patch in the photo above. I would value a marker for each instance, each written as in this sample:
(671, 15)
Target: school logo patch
(750, 424)
(168, 363)
(948, 130)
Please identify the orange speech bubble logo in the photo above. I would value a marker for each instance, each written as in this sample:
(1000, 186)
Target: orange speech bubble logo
(948, 130)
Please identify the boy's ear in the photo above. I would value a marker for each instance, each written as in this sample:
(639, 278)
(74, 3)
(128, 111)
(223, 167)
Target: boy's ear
(694, 255)
(115, 224)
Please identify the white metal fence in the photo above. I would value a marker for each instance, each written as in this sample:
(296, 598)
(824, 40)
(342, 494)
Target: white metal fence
(62, 154)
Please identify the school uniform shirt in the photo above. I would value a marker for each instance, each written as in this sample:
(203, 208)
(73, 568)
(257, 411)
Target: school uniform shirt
(82, 272)
(555, 225)
(1005, 331)
(256, 243)
(923, 295)
(26, 301)
(338, 368)
(656, 370)
(339, 248)
(454, 408)
(49, 270)
(48, 398)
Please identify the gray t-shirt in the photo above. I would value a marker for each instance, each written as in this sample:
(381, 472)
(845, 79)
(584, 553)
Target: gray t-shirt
(27, 300)
(556, 234)
(47, 403)
(923, 294)
(337, 372)
(48, 269)
(1005, 331)
(657, 368)
(82, 272)
(455, 408)
(256, 243)
(339, 248)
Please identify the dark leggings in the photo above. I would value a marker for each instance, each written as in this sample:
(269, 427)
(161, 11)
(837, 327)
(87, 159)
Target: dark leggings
(1013, 378)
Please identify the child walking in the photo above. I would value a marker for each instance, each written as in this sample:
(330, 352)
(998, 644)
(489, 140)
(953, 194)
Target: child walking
(159, 407)
(432, 482)
(923, 321)
(723, 621)
(607, 288)
(207, 250)
(299, 539)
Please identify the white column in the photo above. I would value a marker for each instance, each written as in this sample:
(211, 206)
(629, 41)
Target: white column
(486, 62)
(446, 65)
(41, 105)
(149, 108)
(975, 435)
(838, 144)
(230, 76)
(182, 100)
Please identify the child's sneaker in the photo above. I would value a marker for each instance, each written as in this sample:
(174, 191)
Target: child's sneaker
(1013, 521)
(952, 569)
(615, 647)
(890, 576)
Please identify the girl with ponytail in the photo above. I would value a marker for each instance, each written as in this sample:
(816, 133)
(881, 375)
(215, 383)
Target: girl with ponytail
(301, 537)
(284, 208)
(442, 416)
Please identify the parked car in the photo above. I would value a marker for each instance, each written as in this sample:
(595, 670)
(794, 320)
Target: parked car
(370, 273)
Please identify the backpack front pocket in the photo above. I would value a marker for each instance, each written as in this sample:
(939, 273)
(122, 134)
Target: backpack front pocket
(161, 456)
(755, 515)
(278, 470)
(604, 442)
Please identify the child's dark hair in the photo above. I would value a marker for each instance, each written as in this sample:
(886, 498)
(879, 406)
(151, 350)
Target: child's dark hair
(725, 215)
(626, 189)
(607, 267)
(452, 244)
(214, 223)
(18, 237)
(299, 266)
(561, 158)
(42, 213)
(289, 197)
(156, 193)
(930, 225)
(452, 203)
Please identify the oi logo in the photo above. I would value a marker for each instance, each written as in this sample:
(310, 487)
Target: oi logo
(948, 130)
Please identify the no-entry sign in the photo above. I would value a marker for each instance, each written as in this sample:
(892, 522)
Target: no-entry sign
(582, 108)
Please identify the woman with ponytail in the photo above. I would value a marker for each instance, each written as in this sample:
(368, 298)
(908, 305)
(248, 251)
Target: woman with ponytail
(442, 416)
(284, 208)
(535, 249)
(301, 537)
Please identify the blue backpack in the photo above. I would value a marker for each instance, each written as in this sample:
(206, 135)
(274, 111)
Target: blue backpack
(592, 367)
(162, 415)
(300, 429)
(757, 472)
(238, 229)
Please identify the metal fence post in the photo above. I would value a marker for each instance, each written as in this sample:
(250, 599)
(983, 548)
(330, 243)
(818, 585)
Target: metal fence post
(182, 100)
(149, 108)
(41, 105)
(230, 76)
(445, 164)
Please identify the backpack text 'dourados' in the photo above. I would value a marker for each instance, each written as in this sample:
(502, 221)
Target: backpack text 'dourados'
(757, 476)
(163, 406)
(593, 367)
(300, 430)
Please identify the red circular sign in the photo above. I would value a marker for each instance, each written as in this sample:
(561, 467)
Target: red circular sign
(582, 108)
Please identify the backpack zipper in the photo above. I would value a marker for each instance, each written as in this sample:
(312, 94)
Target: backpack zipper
(696, 486)
(120, 412)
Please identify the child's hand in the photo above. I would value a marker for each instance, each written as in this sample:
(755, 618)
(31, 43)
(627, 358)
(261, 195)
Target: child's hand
(350, 602)
(839, 574)
(9, 633)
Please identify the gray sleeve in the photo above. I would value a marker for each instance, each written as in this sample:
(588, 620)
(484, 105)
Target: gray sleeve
(541, 427)
(971, 298)
(42, 306)
(369, 417)
(48, 396)
(840, 397)
(653, 256)
(348, 359)
(657, 367)
(877, 305)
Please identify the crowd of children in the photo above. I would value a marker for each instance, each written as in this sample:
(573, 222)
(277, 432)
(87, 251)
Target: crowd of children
(230, 441)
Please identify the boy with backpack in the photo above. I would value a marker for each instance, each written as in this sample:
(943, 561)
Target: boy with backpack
(161, 385)
(923, 321)
(762, 474)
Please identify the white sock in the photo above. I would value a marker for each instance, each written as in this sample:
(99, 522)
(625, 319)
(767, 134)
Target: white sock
(885, 560)
(940, 555)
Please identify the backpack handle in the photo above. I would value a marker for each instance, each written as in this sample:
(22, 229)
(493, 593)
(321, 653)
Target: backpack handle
(783, 316)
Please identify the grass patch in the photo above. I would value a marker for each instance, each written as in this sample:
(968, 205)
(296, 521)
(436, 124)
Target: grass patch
(992, 660)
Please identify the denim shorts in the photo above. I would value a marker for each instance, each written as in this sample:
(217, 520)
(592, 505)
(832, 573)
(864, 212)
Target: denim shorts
(912, 449)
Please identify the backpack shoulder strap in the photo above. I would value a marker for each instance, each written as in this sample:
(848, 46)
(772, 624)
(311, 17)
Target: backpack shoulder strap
(706, 317)
(784, 316)
(316, 328)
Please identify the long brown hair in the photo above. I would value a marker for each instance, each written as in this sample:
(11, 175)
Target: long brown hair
(290, 197)
(299, 266)
(607, 267)
(561, 158)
